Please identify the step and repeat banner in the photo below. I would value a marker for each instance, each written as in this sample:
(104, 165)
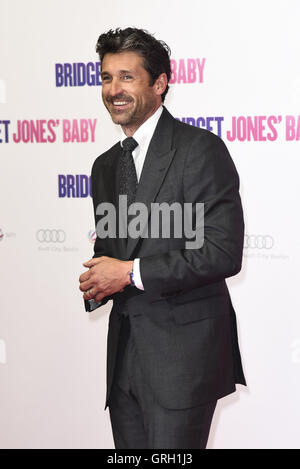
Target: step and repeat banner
(235, 72)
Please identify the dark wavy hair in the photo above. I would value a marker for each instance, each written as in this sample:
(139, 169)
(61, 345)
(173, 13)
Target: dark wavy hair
(156, 54)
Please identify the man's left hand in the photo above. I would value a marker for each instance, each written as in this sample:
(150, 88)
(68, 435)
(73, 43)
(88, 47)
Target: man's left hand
(105, 276)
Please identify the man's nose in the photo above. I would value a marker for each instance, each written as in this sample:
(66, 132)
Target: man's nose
(115, 87)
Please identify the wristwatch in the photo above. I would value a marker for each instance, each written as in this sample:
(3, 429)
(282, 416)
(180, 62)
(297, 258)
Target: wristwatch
(131, 278)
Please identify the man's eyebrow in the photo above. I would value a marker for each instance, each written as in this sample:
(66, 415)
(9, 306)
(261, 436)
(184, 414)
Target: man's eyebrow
(104, 72)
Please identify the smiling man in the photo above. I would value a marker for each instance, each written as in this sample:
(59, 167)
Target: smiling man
(126, 92)
(172, 348)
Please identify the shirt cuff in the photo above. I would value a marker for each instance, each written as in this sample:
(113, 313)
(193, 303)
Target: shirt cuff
(137, 274)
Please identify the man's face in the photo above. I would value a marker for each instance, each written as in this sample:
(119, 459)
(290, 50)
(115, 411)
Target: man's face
(126, 90)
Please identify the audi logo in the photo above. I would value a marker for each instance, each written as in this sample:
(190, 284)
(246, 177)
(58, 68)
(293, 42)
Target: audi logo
(258, 242)
(51, 236)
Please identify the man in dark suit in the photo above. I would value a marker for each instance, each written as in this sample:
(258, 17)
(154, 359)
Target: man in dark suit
(172, 348)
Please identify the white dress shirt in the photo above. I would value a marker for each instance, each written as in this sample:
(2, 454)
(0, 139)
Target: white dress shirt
(143, 137)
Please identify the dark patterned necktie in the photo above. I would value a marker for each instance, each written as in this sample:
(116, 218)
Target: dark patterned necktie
(128, 177)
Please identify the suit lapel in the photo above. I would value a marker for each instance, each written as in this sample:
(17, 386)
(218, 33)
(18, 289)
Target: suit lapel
(158, 159)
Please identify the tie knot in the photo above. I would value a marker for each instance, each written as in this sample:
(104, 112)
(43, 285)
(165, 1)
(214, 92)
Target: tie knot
(129, 144)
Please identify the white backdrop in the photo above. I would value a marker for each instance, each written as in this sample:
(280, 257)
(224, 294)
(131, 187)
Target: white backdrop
(52, 353)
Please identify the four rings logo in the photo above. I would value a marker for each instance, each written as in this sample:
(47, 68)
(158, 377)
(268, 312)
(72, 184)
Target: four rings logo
(51, 236)
(258, 242)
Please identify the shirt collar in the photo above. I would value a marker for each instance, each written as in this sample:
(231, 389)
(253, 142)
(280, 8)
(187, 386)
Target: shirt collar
(146, 130)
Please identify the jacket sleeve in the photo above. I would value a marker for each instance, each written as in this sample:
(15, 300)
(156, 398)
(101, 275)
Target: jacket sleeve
(209, 177)
(91, 305)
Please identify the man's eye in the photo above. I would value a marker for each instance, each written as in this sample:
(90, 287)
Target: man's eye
(127, 77)
(105, 78)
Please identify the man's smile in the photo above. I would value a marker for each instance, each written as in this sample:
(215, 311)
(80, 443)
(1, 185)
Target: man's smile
(120, 105)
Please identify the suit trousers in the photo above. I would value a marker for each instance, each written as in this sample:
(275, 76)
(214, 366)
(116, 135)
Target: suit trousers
(138, 420)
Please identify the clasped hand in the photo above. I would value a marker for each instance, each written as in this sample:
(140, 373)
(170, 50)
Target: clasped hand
(105, 276)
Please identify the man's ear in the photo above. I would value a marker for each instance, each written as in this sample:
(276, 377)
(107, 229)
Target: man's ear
(160, 84)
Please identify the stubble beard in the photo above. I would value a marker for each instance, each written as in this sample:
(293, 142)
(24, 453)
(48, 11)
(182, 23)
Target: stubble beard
(124, 118)
(133, 117)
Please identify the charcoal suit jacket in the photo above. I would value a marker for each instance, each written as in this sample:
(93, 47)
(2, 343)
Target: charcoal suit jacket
(183, 323)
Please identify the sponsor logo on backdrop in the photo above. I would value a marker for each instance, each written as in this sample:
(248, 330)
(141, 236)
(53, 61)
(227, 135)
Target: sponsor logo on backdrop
(2, 352)
(74, 186)
(50, 236)
(92, 235)
(6, 235)
(186, 70)
(48, 131)
(262, 246)
(52, 240)
(258, 242)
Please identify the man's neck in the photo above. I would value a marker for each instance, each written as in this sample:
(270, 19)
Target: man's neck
(131, 129)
